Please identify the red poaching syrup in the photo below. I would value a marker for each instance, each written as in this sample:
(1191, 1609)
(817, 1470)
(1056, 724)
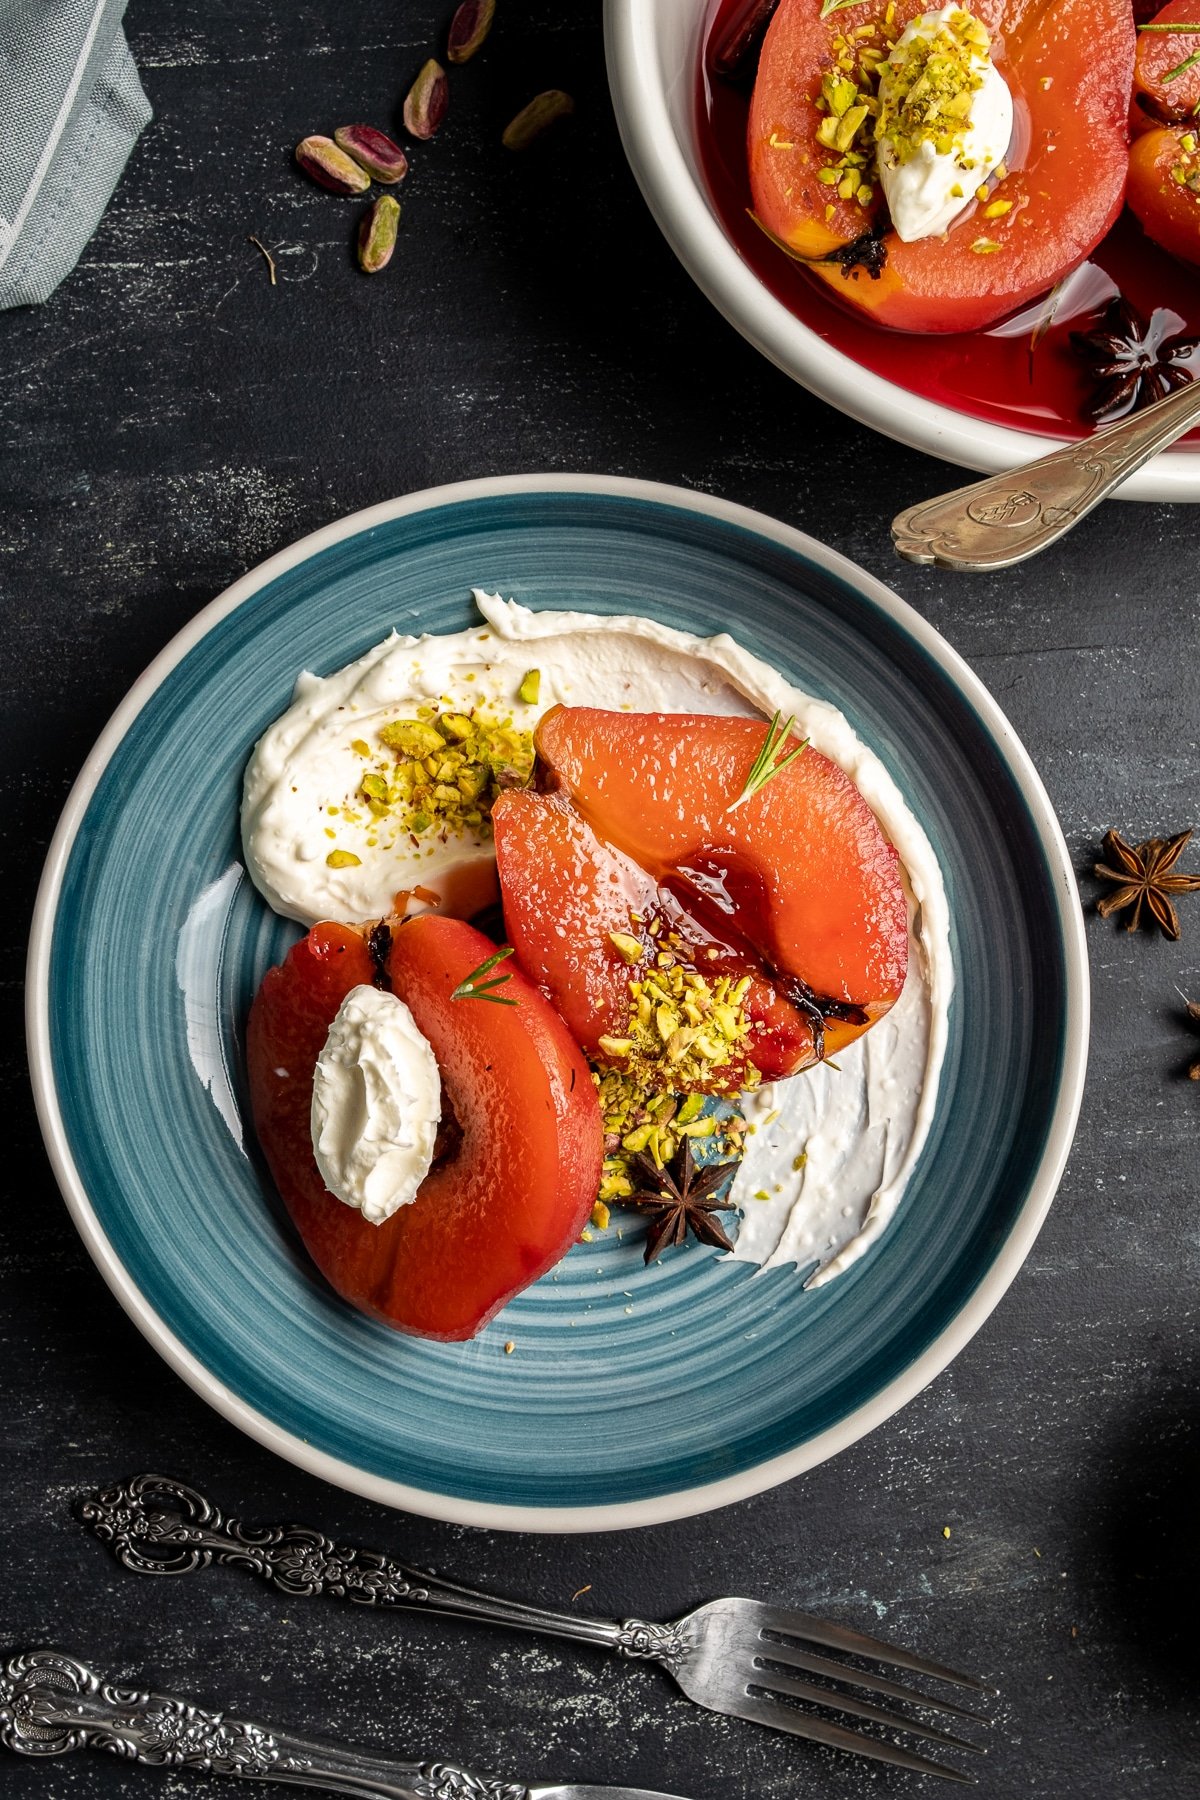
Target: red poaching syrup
(1000, 375)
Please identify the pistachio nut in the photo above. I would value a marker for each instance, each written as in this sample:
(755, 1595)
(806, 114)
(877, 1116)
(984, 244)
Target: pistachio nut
(468, 28)
(321, 158)
(377, 236)
(379, 154)
(532, 120)
(428, 98)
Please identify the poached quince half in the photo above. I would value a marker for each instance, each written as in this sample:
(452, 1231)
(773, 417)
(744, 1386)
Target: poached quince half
(1069, 67)
(517, 1165)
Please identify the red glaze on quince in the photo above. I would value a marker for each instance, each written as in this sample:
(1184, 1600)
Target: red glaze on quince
(1069, 64)
(521, 1169)
(799, 884)
(565, 891)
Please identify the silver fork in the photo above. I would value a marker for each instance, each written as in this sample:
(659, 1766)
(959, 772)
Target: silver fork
(51, 1704)
(733, 1656)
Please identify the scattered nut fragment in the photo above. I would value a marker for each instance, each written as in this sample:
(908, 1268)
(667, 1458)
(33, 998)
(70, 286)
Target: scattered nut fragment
(379, 154)
(428, 98)
(468, 28)
(377, 239)
(532, 120)
(321, 158)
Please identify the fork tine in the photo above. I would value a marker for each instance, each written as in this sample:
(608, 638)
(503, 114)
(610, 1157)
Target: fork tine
(772, 1650)
(838, 1700)
(857, 1643)
(823, 1731)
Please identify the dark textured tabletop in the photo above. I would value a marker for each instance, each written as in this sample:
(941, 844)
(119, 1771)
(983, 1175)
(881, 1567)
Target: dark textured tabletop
(168, 419)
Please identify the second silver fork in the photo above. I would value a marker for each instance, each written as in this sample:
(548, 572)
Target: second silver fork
(732, 1656)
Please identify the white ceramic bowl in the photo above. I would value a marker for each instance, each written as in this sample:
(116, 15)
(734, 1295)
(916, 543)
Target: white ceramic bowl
(653, 52)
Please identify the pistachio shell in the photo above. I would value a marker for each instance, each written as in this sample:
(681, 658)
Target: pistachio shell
(428, 98)
(377, 234)
(321, 158)
(532, 120)
(379, 155)
(468, 28)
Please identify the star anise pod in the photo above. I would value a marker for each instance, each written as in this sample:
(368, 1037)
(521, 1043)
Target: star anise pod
(1142, 872)
(1193, 1013)
(1134, 361)
(679, 1198)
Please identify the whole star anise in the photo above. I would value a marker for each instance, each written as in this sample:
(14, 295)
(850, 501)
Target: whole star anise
(1143, 873)
(1134, 361)
(679, 1198)
(1193, 1013)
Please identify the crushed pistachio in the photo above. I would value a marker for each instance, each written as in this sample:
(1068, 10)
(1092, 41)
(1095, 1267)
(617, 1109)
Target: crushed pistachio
(343, 859)
(639, 1115)
(985, 246)
(601, 1216)
(682, 1025)
(1186, 172)
(997, 209)
(926, 91)
(445, 770)
(530, 687)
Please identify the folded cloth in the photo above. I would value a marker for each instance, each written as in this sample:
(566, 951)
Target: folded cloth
(71, 108)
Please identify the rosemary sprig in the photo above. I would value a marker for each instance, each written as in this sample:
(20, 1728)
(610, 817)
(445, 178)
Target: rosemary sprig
(765, 765)
(832, 6)
(474, 987)
(1174, 28)
(1189, 62)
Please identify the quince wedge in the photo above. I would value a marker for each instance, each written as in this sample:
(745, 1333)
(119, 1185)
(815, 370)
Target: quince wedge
(519, 1151)
(639, 857)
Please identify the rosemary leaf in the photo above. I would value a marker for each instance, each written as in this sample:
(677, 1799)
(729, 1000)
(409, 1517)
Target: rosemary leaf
(474, 987)
(1189, 62)
(765, 764)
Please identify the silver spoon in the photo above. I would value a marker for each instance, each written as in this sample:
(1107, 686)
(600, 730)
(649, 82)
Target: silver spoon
(995, 523)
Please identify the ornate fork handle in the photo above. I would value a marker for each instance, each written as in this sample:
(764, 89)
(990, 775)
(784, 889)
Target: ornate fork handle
(995, 523)
(157, 1526)
(51, 1703)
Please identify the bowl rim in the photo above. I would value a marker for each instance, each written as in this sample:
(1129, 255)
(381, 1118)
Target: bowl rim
(680, 206)
(659, 1508)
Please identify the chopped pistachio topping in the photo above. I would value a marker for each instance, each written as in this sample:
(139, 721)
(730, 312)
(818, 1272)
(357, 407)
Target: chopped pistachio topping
(929, 87)
(848, 103)
(342, 859)
(682, 1029)
(444, 771)
(639, 1116)
(531, 687)
(1186, 172)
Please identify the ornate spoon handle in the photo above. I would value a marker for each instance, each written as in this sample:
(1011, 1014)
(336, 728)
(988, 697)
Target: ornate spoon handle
(51, 1703)
(160, 1527)
(995, 523)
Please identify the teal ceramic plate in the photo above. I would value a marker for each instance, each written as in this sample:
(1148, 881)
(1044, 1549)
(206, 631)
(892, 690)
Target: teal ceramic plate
(149, 942)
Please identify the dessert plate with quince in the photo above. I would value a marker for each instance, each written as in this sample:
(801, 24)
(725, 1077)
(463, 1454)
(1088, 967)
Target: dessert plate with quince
(605, 947)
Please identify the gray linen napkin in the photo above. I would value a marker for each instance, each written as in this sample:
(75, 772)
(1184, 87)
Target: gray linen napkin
(71, 108)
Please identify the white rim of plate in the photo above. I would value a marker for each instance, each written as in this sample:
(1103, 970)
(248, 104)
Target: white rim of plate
(637, 84)
(662, 1507)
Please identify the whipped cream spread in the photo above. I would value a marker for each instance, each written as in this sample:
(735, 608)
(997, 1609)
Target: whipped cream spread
(832, 1150)
(944, 123)
(376, 1104)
